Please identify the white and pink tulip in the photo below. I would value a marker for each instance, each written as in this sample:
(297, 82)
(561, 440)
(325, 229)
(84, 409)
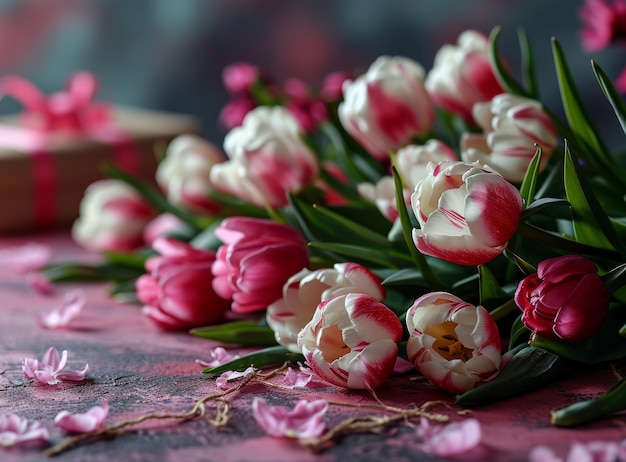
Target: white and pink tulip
(454, 344)
(352, 341)
(467, 213)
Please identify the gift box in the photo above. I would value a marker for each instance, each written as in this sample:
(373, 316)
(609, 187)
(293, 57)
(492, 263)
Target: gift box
(60, 143)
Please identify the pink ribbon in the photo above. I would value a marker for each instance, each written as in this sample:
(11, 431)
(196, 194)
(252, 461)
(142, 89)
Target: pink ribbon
(71, 112)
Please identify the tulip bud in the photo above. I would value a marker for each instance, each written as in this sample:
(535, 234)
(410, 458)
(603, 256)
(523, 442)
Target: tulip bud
(388, 106)
(462, 75)
(267, 159)
(513, 127)
(352, 341)
(112, 217)
(564, 300)
(453, 344)
(467, 213)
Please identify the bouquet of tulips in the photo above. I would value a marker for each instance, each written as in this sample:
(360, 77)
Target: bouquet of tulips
(445, 220)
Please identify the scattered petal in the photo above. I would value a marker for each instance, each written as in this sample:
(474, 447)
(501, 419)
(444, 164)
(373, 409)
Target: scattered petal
(402, 366)
(304, 378)
(217, 357)
(228, 376)
(86, 422)
(451, 439)
(16, 430)
(73, 303)
(306, 420)
(26, 257)
(543, 454)
(50, 369)
(39, 283)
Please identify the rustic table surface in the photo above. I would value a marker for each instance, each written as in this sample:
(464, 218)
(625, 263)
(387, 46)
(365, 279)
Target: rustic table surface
(140, 369)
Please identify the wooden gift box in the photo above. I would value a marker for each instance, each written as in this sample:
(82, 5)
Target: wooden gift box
(75, 162)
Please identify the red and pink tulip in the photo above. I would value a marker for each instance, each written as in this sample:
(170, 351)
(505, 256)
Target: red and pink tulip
(454, 344)
(467, 213)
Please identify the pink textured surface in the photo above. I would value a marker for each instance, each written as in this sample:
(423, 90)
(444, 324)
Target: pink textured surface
(139, 369)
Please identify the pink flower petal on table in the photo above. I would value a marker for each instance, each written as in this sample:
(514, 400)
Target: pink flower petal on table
(50, 369)
(86, 422)
(39, 283)
(228, 376)
(16, 430)
(73, 303)
(402, 365)
(451, 439)
(303, 378)
(217, 357)
(306, 420)
(543, 454)
(26, 257)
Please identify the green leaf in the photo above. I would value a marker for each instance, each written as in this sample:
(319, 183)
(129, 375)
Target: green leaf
(582, 412)
(611, 94)
(519, 333)
(528, 369)
(405, 276)
(529, 184)
(528, 65)
(542, 204)
(507, 81)
(490, 289)
(272, 356)
(591, 225)
(383, 258)
(239, 333)
(572, 104)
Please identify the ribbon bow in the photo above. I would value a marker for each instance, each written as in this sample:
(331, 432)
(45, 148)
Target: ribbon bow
(71, 110)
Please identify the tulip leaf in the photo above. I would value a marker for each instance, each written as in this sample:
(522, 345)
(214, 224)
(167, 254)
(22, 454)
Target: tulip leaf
(489, 287)
(574, 111)
(529, 184)
(271, 356)
(238, 332)
(500, 69)
(384, 258)
(611, 94)
(528, 369)
(591, 225)
(519, 333)
(69, 272)
(615, 279)
(605, 345)
(541, 204)
(529, 76)
(404, 276)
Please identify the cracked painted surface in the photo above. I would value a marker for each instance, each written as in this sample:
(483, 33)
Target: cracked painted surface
(139, 369)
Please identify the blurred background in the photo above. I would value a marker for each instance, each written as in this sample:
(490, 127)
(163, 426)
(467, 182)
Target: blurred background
(169, 54)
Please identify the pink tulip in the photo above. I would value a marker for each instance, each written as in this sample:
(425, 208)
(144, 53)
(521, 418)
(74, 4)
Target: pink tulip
(306, 289)
(240, 77)
(467, 213)
(453, 344)
(176, 292)
(513, 127)
(86, 422)
(306, 420)
(112, 217)
(388, 106)
(50, 369)
(16, 430)
(183, 174)
(564, 300)
(352, 341)
(267, 159)
(462, 75)
(234, 112)
(257, 258)
(603, 22)
(162, 226)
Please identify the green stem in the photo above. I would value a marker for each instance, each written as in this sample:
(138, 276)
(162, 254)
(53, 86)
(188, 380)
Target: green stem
(504, 310)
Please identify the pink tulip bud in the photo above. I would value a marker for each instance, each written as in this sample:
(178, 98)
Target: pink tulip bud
(388, 106)
(257, 258)
(176, 292)
(467, 213)
(564, 300)
(462, 75)
(352, 341)
(239, 77)
(604, 23)
(453, 344)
